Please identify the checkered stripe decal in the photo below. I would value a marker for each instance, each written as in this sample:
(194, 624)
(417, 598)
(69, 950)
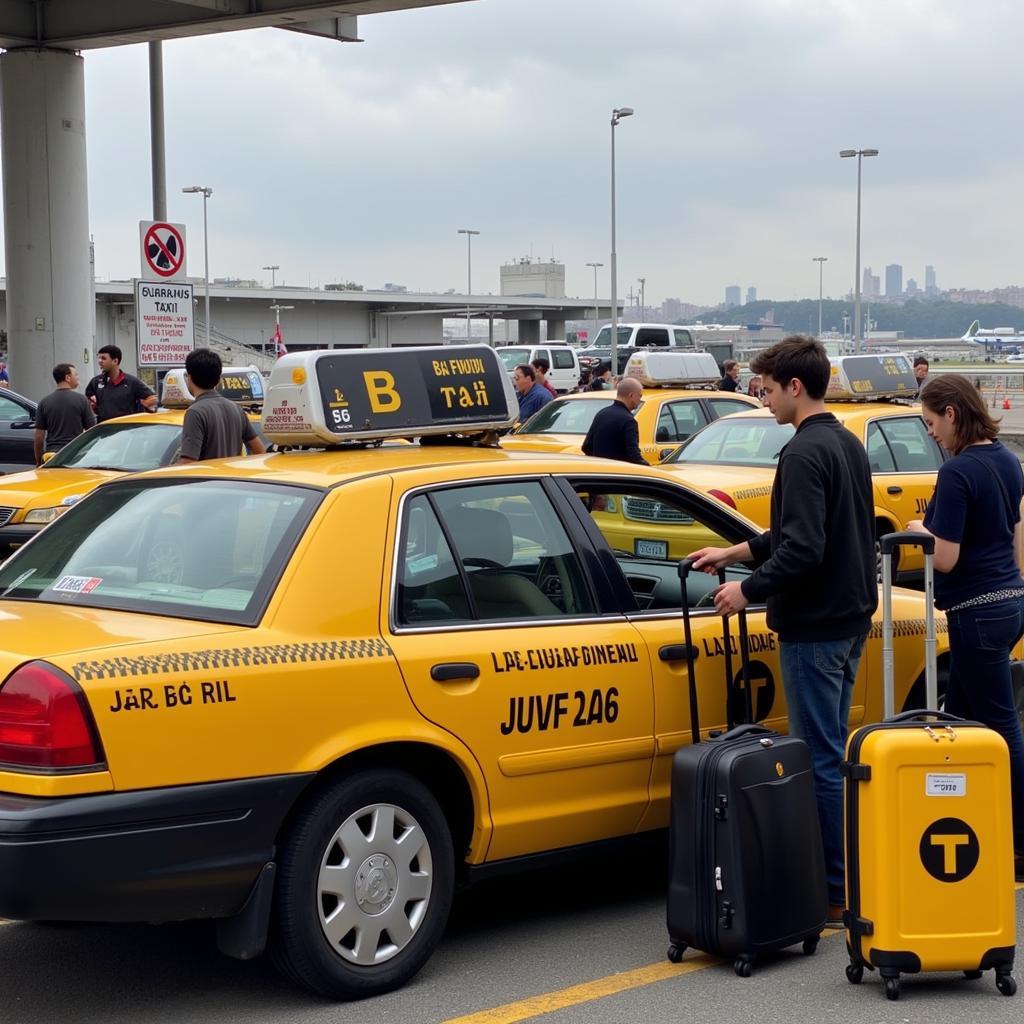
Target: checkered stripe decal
(754, 492)
(238, 657)
(910, 627)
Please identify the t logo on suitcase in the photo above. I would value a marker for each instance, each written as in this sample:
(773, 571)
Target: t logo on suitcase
(949, 850)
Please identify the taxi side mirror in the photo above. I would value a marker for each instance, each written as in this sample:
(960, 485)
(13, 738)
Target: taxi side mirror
(46, 457)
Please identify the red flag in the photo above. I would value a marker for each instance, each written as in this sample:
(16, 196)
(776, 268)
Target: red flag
(279, 347)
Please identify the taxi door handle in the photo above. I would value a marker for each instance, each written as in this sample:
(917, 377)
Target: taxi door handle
(894, 490)
(677, 652)
(449, 670)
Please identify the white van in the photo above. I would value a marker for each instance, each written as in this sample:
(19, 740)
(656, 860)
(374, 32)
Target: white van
(564, 374)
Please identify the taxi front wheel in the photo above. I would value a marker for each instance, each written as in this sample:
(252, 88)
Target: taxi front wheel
(365, 886)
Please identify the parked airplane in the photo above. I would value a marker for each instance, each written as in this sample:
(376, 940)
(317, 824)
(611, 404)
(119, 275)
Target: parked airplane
(993, 337)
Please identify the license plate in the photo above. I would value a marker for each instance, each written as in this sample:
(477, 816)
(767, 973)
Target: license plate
(650, 548)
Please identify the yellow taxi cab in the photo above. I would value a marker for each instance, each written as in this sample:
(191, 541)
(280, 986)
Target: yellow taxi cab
(734, 459)
(679, 399)
(128, 444)
(369, 674)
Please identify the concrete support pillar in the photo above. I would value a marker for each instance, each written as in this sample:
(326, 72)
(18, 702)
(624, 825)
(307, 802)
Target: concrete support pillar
(529, 332)
(46, 216)
(556, 329)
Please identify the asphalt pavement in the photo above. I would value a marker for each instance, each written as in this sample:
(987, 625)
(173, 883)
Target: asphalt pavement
(579, 944)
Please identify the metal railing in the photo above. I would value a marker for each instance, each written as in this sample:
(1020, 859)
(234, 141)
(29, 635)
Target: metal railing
(235, 352)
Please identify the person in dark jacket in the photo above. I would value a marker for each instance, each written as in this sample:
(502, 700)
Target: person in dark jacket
(731, 376)
(531, 395)
(614, 433)
(816, 570)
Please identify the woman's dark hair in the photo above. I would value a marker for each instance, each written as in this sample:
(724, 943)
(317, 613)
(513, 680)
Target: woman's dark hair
(972, 422)
(796, 356)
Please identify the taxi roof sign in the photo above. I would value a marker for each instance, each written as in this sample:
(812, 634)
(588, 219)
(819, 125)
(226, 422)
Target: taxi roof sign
(337, 396)
(241, 384)
(673, 369)
(866, 378)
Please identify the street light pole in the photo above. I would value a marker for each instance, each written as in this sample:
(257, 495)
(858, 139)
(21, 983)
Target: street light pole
(277, 307)
(273, 268)
(643, 300)
(845, 154)
(469, 233)
(617, 115)
(821, 261)
(207, 192)
(596, 314)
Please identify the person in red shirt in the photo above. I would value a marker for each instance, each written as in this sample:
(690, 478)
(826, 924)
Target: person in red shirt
(540, 368)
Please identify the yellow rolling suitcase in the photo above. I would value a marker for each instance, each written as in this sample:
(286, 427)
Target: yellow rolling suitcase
(929, 838)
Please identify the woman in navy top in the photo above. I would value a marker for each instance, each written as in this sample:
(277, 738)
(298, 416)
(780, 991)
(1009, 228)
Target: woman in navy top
(973, 516)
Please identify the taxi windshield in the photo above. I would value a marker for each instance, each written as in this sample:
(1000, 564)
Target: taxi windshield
(211, 550)
(736, 442)
(565, 417)
(129, 447)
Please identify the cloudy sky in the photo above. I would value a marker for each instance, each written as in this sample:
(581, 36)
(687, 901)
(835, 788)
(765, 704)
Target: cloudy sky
(360, 161)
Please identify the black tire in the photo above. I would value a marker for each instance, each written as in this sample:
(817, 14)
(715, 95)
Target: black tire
(743, 968)
(854, 973)
(304, 911)
(675, 953)
(892, 989)
(811, 946)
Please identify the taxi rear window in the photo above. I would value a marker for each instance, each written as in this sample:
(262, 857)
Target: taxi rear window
(565, 417)
(210, 550)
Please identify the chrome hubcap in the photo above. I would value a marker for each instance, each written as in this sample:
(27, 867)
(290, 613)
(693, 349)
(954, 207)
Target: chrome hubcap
(374, 884)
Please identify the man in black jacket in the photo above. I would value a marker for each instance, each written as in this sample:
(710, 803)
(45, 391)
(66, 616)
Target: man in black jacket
(614, 433)
(816, 570)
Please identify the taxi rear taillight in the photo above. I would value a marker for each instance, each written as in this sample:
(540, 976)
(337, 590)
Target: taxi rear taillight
(45, 722)
(723, 497)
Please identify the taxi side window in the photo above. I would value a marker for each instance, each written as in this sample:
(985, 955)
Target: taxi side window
(727, 406)
(512, 558)
(562, 359)
(879, 454)
(689, 418)
(912, 449)
(649, 533)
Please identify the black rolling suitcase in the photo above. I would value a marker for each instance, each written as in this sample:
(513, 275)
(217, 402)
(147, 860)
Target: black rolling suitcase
(746, 862)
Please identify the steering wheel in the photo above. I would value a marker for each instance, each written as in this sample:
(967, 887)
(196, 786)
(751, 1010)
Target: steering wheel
(483, 563)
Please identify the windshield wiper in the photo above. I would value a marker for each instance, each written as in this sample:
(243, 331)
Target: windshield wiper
(111, 469)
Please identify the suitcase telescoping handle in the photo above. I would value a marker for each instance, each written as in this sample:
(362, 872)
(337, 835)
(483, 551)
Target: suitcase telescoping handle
(685, 568)
(889, 544)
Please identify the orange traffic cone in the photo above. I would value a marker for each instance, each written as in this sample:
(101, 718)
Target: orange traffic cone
(1006, 402)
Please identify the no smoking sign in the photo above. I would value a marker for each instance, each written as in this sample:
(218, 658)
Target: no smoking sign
(163, 251)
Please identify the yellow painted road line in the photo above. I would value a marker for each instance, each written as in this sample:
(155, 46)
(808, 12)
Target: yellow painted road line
(535, 1006)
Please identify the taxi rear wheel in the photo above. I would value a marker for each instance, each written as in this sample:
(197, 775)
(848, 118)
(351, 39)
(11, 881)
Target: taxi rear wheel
(365, 886)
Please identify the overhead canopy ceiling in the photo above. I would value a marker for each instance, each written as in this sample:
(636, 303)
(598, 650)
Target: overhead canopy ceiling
(91, 24)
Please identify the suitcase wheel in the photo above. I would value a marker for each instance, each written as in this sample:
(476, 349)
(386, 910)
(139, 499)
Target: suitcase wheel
(743, 968)
(1006, 984)
(972, 975)
(892, 989)
(811, 945)
(675, 952)
(854, 973)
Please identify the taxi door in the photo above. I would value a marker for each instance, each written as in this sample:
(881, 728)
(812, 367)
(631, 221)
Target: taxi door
(495, 626)
(686, 521)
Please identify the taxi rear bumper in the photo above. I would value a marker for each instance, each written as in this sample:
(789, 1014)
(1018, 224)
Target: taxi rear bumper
(148, 855)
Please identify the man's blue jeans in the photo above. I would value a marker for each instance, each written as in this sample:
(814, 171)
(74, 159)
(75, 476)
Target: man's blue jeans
(818, 681)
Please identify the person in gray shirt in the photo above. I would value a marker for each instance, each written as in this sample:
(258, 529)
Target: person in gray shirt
(62, 415)
(214, 427)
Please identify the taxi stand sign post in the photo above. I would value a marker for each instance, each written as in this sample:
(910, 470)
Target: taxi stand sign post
(868, 378)
(240, 384)
(324, 398)
(673, 369)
